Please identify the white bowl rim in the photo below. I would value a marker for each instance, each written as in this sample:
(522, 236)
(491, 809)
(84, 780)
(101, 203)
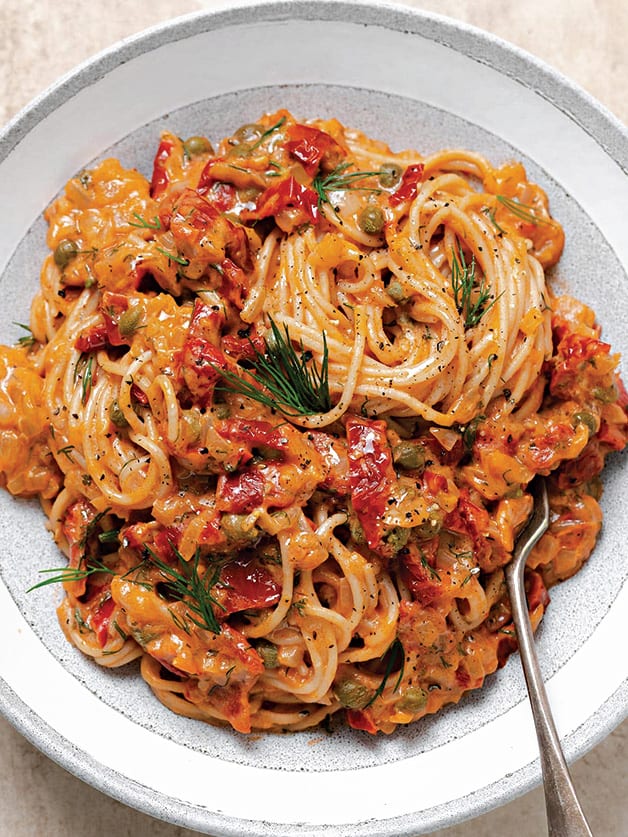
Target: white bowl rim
(484, 48)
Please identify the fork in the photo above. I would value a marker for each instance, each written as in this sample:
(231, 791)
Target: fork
(565, 817)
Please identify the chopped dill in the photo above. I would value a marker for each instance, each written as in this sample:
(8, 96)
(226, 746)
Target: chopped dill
(522, 210)
(341, 180)
(472, 300)
(396, 657)
(285, 379)
(192, 587)
(155, 224)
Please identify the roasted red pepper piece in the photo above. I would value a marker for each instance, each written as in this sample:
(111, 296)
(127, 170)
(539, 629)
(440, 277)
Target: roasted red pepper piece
(235, 282)
(361, 719)
(200, 354)
(407, 189)
(240, 493)
(469, 519)
(252, 432)
(77, 518)
(287, 194)
(418, 573)
(244, 347)
(371, 474)
(160, 180)
(248, 585)
(107, 332)
(574, 353)
(101, 618)
(310, 146)
(92, 339)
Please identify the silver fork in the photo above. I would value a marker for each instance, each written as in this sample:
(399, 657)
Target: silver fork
(565, 817)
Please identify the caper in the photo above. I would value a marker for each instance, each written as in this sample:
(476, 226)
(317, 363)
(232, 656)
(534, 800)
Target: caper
(247, 133)
(413, 700)
(371, 220)
(409, 455)
(389, 175)
(65, 251)
(269, 453)
(236, 528)
(587, 419)
(395, 290)
(193, 146)
(268, 653)
(430, 527)
(222, 410)
(116, 415)
(192, 425)
(397, 538)
(352, 695)
(357, 532)
(129, 321)
(607, 395)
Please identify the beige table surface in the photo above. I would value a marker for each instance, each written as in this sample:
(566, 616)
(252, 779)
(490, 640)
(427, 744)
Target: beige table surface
(40, 40)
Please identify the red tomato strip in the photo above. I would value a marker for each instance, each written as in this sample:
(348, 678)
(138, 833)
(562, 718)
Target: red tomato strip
(371, 474)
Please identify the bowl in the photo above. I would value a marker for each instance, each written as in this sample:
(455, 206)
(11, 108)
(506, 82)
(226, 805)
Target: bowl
(413, 80)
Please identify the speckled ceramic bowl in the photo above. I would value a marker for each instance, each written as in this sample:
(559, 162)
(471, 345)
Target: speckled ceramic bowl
(414, 80)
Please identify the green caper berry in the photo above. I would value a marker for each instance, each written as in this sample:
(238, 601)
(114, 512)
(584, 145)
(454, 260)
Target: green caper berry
(409, 455)
(607, 395)
(116, 415)
(414, 700)
(192, 425)
(371, 220)
(587, 419)
(247, 133)
(397, 538)
(357, 532)
(64, 252)
(395, 290)
(222, 410)
(269, 454)
(430, 527)
(352, 695)
(268, 653)
(129, 321)
(193, 146)
(389, 175)
(235, 528)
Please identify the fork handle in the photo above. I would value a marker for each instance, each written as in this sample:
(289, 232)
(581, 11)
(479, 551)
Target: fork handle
(565, 817)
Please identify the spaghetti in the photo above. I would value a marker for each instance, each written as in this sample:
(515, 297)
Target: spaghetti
(281, 404)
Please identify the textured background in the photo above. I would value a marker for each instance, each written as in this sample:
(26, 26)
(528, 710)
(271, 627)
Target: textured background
(41, 40)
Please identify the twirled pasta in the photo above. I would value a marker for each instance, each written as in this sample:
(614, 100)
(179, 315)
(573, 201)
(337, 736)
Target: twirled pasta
(274, 563)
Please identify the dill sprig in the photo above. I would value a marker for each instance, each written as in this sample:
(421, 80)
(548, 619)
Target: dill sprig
(426, 565)
(522, 210)
(27, 340)
(341, 180)
(267, 133)
(173, 257)
(155, 224)
(286, 379)
(192, 588)
(87, 379)
(396, 656)
(67, 451)
(92, 526)
(472, 300)
(71, 574)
